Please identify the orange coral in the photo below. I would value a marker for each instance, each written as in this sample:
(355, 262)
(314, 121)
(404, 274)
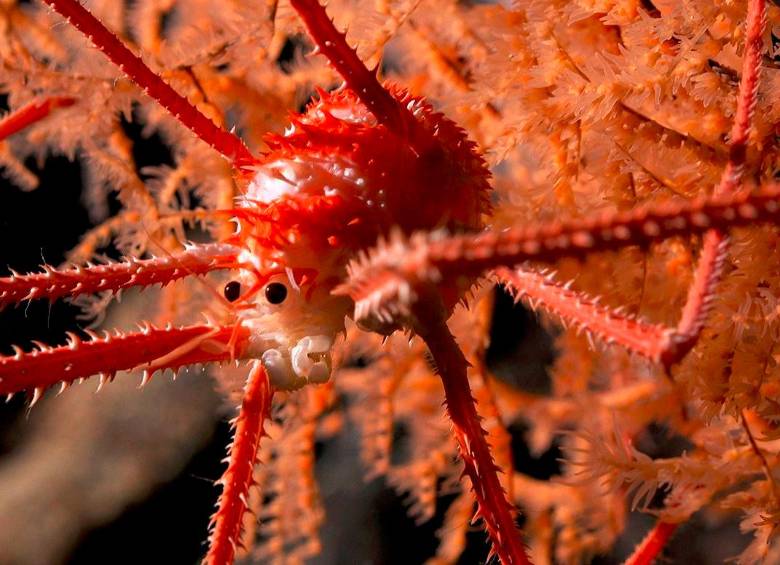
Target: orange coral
(620, 110)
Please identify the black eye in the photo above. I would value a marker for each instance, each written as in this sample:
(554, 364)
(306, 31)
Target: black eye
(232, 291)
(275, 293)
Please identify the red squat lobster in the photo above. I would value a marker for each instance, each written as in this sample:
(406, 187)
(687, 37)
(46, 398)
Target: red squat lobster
(367, 162)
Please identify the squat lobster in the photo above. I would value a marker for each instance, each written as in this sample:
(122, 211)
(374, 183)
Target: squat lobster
(339, 179)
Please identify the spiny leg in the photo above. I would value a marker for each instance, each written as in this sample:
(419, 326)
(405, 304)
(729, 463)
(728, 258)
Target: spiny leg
(55, 283)
(238, 477)
(332, 43)
(227, 143)
(381, 281)
(654, 341)
(493, 506)
(152, 349)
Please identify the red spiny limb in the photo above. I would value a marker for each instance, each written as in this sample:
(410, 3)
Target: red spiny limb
(647, 551)
(151, 348)
(747, 98)
(424, 259)
(333, 44)
(654, 341)
(55, 283)
(493, 506)
(31, 113)
(701, 292)
(237, 479)
(227, 143)
(574, 308)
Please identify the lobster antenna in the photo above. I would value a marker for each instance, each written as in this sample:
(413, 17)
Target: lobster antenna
(362, 81)
(227, 143)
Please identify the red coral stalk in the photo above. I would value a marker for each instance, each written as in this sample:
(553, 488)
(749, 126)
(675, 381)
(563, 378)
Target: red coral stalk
(237, 479)
(30, 113)
(647, 551)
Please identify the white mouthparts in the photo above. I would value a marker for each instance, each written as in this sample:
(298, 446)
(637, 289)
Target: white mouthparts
(309, 362)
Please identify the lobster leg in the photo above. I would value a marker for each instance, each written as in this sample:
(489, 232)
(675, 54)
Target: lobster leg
(55, 283)
(152, 349)
(380, 280)
(237, 480)
(363, 82)
(227, 143)
(493, 506)
(654, 341)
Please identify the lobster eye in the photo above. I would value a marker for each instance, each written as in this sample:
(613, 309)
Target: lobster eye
(232, 291)
(275, 293)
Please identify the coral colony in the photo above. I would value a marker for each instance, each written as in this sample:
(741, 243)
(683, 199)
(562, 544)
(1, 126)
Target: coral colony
(610, 164)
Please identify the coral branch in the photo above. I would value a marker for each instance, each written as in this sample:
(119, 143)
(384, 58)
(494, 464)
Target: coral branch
(31, 113)
(333, 44)
(747, 98)
(55, 283)
(227, 143)
(150, 348)
(700, 294)
(654, 341)
(715, 242)
(654, 542)
(237, 479)
(493, 506)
